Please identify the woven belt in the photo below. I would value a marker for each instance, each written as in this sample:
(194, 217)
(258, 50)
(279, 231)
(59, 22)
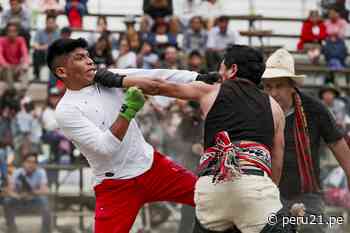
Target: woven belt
(254, 172)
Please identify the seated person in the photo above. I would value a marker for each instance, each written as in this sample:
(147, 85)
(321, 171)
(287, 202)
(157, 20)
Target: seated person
(3, 166)
(18, 13)
(14, 57)
(75, 10)
(219, 38)
(27, 190)
(125, 57)
(101, 52)
(313, 32)
(147, 58)
(160, 38)
(43, 38)
(335, 52)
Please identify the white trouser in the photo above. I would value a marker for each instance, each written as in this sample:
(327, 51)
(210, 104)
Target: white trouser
(246, 202)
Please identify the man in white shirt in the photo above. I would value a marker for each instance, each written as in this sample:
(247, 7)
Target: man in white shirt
(219, 38)
(128, 171)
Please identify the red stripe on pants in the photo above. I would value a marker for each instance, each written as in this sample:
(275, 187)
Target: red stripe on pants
(118, 201)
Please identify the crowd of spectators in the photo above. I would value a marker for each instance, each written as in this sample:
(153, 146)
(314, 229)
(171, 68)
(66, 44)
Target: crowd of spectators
(194, 40)
(325, 37)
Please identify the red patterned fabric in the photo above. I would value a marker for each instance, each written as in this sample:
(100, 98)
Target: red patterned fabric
(222, 159)
(302, 142)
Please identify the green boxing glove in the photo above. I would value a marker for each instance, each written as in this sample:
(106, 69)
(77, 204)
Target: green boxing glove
(133, 102)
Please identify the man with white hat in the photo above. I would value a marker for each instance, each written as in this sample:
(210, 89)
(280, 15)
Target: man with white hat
(307, 121)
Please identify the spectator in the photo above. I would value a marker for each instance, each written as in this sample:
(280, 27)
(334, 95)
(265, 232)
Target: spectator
(308, 122)
(219, 38)
(160, 38)
(28, 130)
(131, 33)
(330, 98)
(3, 167)
(313, 32)
(7, 103)
(102, 26)
(101, 53)
(48, 116)
(335, 25)
(50, 7)
(195, 62)
(335, 52)
(17, 14)
(43, 38)
(341, 5)
(147, 58)
(126, 58)
(158, 8)
(195, 38)
(75, 10)
(129, 22)
(145, 28)
(20, 15)
(187, 11)
(28, 191)
(171, 59)
(66, 33)
(7, 111)
(175, 30)
(209, 10)
(102, 29)
(14, 57)
(60, 146)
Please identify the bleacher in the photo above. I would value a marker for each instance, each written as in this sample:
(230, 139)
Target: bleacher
(269, 27)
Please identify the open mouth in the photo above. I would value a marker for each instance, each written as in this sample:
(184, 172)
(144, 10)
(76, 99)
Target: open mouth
(92, 70)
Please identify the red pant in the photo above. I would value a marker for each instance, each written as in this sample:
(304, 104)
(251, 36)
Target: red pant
(118, 201)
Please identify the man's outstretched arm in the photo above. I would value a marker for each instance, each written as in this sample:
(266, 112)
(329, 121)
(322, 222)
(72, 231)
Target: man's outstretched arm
(177, 76)
(114, 77)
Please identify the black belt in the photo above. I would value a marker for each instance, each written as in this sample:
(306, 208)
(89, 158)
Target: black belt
(109, 174)
(254, 172)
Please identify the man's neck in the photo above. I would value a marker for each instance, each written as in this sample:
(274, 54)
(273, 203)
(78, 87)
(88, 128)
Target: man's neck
(288, 108)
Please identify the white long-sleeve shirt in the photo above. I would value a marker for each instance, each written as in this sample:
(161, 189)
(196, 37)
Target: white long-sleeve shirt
(85, 117)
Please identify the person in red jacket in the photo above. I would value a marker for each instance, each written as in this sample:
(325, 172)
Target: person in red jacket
(313, 32)
(14, 57)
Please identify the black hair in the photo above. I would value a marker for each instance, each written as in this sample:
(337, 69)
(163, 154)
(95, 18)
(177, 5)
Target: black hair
(194, 53)
(11, 100)
(66, 30)
(29, 155)
(50, 16)
(250, 62)
(10, 24)
(223, 18)
(62, 47)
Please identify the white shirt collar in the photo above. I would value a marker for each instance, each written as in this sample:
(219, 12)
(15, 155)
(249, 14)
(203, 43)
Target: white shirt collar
(85, 90)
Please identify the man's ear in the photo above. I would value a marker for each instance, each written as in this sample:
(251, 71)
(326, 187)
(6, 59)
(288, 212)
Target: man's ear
(232, 72)
(61, 72)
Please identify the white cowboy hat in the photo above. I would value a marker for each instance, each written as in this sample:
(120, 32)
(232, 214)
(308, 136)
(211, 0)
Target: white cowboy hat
(281, 65)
